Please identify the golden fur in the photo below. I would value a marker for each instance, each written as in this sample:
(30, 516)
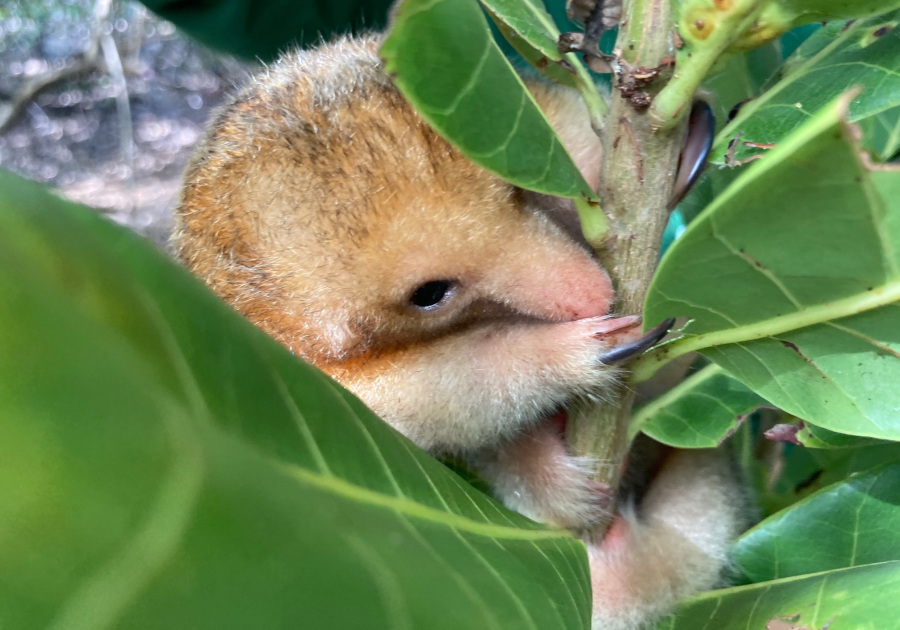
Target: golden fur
(320, 202)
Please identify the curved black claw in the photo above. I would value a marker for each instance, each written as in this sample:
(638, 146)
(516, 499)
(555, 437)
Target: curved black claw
(633, 349)
(697, 145)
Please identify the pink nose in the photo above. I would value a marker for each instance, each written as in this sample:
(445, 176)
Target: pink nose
(575, 288)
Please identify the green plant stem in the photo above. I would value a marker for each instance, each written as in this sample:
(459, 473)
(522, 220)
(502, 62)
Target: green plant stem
(637, 172)
(695, 59)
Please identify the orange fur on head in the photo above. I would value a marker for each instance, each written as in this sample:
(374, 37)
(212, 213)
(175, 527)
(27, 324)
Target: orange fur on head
(321, 201)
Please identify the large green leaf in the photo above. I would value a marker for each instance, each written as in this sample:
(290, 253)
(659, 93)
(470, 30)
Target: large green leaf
(850, 599)
(699, 412)
(792, 278)
(163, 464)
(849, 524)
(444, 60)
(838, 56)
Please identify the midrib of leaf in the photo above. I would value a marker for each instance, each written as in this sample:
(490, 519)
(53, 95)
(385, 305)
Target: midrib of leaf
(504, 144)
(408, 507)
(809, 316)
(888, 293)
(803, 68)
(469, 85)
(773, 584)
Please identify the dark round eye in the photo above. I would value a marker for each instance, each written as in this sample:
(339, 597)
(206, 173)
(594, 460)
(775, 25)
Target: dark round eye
(431, 293)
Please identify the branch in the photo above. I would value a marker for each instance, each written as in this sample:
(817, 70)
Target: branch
(637, 174)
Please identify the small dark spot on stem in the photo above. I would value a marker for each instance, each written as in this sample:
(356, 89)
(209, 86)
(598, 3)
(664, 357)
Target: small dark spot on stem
(884, 30)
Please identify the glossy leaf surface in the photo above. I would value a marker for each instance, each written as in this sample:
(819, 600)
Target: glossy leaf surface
(443, 58)
(825, 601)
(166, 465)
(864, 54)
(699, 412)
(848, 524)
(792, 278)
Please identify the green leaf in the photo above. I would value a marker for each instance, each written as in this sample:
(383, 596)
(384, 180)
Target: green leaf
(848, 524)
(163, 464)
(792, 279)
(444, 60)
(530, 21)
(850, 599)
(813, 436)
(739, 77)
(836, 57)
(797, 472)
(822, 10)
(699, 412)
(712, 183)
(881, 133)
(535, 58)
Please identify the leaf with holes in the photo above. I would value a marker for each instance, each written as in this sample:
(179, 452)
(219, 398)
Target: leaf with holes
(838, 56)
(699, 412)
(444, 60)
(167, 465)
(845, 525)
(792, 278)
